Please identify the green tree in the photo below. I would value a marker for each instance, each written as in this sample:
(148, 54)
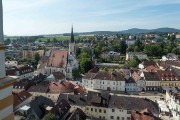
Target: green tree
(134, 62)
(37, 57)
(85, 64)
(76, 73)
(49, 116)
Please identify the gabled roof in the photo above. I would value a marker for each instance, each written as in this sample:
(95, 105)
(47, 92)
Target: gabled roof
(39, 104)
(20, 97)
(42, 88)
(77, 114)
(21, 85)
(79, 100)
(21, 70)
(151, 76)
(105, 75)
(144, 115)
(59, 75)
(133, 103)
(61, 87)
(168, 76)
(61, 109)
(58, 58)
(149, 63)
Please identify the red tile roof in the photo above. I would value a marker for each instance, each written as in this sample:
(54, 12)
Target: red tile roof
(143, 115)
(151, 68)
(58, 58)
(105, 75)
(168, 76)
(59, 75)
(61, 87)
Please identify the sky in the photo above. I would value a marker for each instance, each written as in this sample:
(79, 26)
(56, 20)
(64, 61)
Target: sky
(35, 17)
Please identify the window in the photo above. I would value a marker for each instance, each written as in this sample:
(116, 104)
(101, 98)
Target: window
(117, 118)
(128, 112)
(100, 110)
(87, 108)
(122, 118)
(113, 110)
(128, 118)
(95, 110)
(112, 117)
(104, 111)
(91, 109)
(99, 117)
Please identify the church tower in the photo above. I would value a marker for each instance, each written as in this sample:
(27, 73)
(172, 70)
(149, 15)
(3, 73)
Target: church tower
(6, 97)
(72, 43)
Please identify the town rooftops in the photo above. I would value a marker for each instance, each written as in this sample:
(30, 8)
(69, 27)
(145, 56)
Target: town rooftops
(105, 75)
(13, 71)
(143, 115)
(61, 87)
(20, 97)
(42, 88)
(21, 85)
(168, 76)
(74, 99)
(61, 109)
(133, 103)
(58, 58)
(77, 114)
(149, 63)
(151, 76)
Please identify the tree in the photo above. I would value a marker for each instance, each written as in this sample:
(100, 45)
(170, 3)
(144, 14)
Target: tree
(85, 64)
(123, 47)
(76, 73)
(49, 116)
(37, 57)
(134, 62)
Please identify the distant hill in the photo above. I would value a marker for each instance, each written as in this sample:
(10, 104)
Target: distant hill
(136, 30)
(130, 31)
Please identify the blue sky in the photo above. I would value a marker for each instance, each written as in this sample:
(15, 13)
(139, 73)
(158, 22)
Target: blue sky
(33, 17)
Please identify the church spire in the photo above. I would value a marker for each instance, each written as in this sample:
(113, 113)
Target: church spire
(72, 36)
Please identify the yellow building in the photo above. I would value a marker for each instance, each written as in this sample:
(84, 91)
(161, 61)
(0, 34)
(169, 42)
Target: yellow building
(30, 54)
(6, 97)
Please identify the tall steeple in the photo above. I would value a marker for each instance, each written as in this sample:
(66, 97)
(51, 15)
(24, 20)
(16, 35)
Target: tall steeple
(72, 35)
(71, 43)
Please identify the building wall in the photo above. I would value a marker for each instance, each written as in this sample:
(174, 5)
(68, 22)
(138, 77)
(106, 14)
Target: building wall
(169, 83)
(98, 112)
(11, 63)
(131, 56)
(114, 114)
(132, 87)
(104, 84)
(53, 96)
(31, 53)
